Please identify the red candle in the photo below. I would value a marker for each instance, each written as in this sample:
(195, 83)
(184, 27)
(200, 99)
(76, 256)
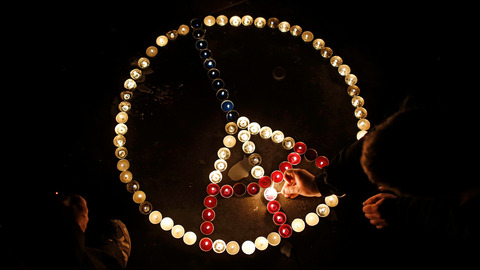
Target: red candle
(206, 228)
(321, 162)
(300, 148)
(206, 244)
(279, 218)
(239, 189)
(277, 176)
(294, 158)
(208, 214)
(265, 181)
(273, 206)
(210, 202)
(253, 188)
(311, 154)
(285, 231)
(226, 191)
(285, 166)
(213, 189)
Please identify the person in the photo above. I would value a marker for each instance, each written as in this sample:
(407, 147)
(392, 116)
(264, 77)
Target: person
(426, 185)
(68, 242)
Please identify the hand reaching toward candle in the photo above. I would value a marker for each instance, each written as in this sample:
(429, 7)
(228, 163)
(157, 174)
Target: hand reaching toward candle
(299, 182)
(370, 208)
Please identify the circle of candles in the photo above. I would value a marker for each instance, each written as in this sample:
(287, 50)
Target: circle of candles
(261, 243)
(239, 189)
(229, 141)
(273, 206)
(277, 176)
(189, 238)
(226, 191)
(210, 202)
(219, 246)
(166, 224)
(285, 166)
(321, 162)
(312, 219)
(285, 231)
(311, 154)
(331, 200)
(279, 218)
(206, 227)
(322, 210)
(178, 231)
(274, 239)
(294, 158)
(208, 214)
(233, 247)
(248, 247)
(220, 165)
(300, 148)
(139, 196)
(270, 194)
(215, 176)
(298, 225)
(213, 189)
(257, 172)
(155, 217)
(265, 181)
(253, 188)
(206, 244)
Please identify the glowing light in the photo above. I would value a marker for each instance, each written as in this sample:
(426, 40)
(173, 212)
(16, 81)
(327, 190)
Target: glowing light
(312, 219)
(243, 122)
(155, 217)
(298, 225)
(178, 231)
(261, 243)
(257, 172)
(323, 210)
(233, 248)
(248, 247)
(229, 141)
(166, 224)
(331, 200)
(277, 136)
(219, 246)
(215, 177)
(139, 196)
(189, 238)
(220, 165)
(270, 194)
(274, 239)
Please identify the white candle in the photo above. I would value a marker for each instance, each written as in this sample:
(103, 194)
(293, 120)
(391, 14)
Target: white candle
(331, 200)
(270, 194)
(189, 238)
(261, 243)
(233, 247)
(155, 217)
(298, 225)
(166, 223)
(248, 247)
(312, 219)
(219, 246)
(178, 231)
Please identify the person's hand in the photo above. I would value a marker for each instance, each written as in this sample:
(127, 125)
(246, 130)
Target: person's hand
(370, 208)
(299, 182)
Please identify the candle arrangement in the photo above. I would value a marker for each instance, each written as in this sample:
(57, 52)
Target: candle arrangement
(237, 128)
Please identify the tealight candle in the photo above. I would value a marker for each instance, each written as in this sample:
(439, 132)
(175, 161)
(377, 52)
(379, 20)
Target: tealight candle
(121, 129)
(254, 128)
(261, 243)
(121, 117)
(229, 141)
(265, 181)
(300, 148)
(285, 231)
(361, 133)
(248, 247)
(206, 244)
(119, 140)
(223, 153)
(233, 247)
(253, 188)
(231, 128)
(248, 147)
(222, 20)
(312, 219)
(279, 218)
(277, 176)
(323, 210)
(294, 158)
(243, 136)
(257, 172)
(331, 200)
(243, 122)
(213, 189)
(215, 176)
(274, 239)
(288, 143)
(220, 165)
(121, 152)
(126, 177)
(273, 207)
(266, 132)
(298, 225)
(166, 224)
(285, 166)
(277, 136)
(130, 84)
(210, 201)
(189, 238)
(270, 194)
(208, 214)
(139, 196)
(226, 191)
(219, 246)
(255, 159)
(178, 231)
(321, 161)
(155, 217)
(206, 227)
(311, 154)
(239, 189)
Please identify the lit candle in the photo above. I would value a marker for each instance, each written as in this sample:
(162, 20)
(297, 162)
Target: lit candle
(243, 136)
(231, 128)
(285, 166)
(219, 246)
(288, 143)
(277, 176)
(255, 159)
(253, 188)
(121, 129)
(270, 194)
(243, 122)
(248, 147)
(261, 243)
(321, 162)
(248, 247)
(266, 132)
(121, 117)
(254, 128)
(229, 141)
(206, 244)
(294, 158)
(285, 231)
(323, 210)
(206, 227)
(300, 148)
(178, 231)
(220, 165)
(223, 153)
(189, 238)
(257, 172)
(139, 196)
(273, 206)
(312, 219)
(279, 218)
(226, 191)
(210, 202)
(126, 177)
(233, 247)
(277, 136)
(208, 214)
(274, 239)
(119, 140)
(213, 189)
(215, 176)
(298, 225)
(265, 181)
(331, 200)
(155, 217)
(166, 224)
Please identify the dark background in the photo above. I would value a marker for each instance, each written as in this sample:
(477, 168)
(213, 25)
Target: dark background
(74, 63)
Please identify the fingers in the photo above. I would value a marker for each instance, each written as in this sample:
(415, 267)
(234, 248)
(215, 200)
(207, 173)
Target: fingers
(289, 176)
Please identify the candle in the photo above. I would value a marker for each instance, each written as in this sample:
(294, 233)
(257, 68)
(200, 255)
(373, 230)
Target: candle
(288, 143)
(265, 181)
(213, 189)
(311, 154)
(229, 141)
(248, 147)
(266, 132)
(139, 196)
(298, 225)
(277, 176)
(231, 128)
(226, 191)
(279, 218)
(210, 202)
(255, 159)
(274, 239)
(220, 165)
(257, 172)
(331, 200)
(270, 194)
(121, 129)
(233, 247)
(312, 219)
(206, 244)
(206, 227)
(294, 158)
(243, 122)
(243, 136)
(254, 128)
(208, 214)
(166, 224)
(223, 153)
(239, 189)
(155, 217)
(219, 246)
(323, 210)
(277, 136)
(126, 177)
(285, 166)
(321, 162)
(300, 148)
(178, 231)
(189, 238)
(248, 247)
(285, 231)
(215, 176)
(253, 188)
(261, 243)
(273, 206)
